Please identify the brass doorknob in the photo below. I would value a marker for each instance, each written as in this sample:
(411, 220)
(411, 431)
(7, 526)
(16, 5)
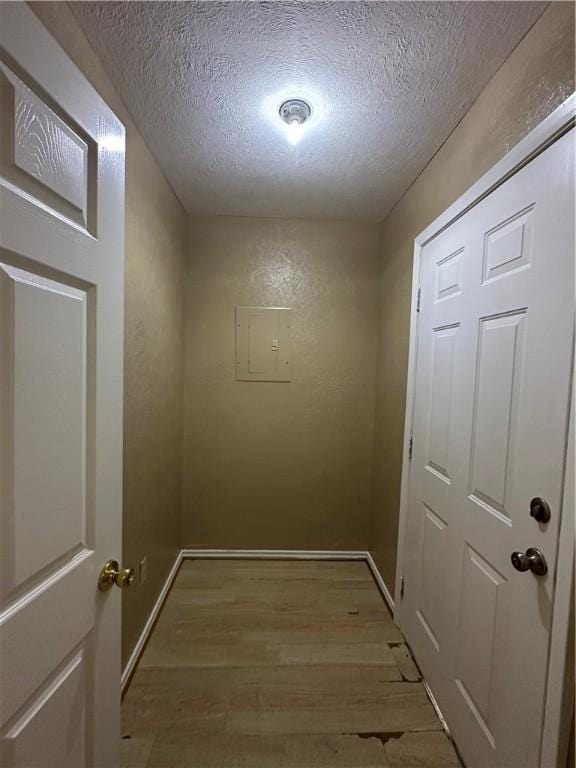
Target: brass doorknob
(111, 574)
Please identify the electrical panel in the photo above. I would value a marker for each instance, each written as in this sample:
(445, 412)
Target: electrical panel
(263, 344)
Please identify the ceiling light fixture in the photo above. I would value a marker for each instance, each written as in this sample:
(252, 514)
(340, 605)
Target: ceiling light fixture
(295, 112)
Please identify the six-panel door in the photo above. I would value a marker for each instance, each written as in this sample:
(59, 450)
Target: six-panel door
(491, 412)
(61, 298)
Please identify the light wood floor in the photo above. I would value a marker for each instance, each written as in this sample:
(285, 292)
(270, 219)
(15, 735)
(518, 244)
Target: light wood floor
(278, 664)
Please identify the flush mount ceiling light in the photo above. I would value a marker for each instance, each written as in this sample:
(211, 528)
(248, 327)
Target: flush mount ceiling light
(294, 112)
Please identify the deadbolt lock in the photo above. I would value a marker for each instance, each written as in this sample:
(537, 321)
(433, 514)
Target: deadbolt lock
(540, 510)
(111, 574)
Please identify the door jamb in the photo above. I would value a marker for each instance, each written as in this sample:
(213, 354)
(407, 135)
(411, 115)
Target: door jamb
(540, 138)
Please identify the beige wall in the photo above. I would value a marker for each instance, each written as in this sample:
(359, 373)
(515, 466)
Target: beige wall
(155, 237)
(534, 80)
(283, 465)
(280, 465)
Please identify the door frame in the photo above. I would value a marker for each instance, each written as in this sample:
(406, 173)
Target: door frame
(557, 718)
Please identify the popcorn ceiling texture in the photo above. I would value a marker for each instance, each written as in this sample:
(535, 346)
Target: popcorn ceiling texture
(388, 82)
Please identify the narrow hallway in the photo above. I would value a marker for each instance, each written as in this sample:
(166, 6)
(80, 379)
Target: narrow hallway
(287, 392)
(278, 664)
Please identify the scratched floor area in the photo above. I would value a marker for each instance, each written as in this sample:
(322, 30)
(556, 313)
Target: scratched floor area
(278, 664)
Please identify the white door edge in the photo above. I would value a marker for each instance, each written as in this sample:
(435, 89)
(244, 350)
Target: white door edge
(559, 709)
(559, 122)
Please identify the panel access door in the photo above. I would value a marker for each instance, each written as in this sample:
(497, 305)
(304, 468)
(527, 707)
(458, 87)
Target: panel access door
(492, 393)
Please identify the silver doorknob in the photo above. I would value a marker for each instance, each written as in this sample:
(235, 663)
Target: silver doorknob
(533, 561)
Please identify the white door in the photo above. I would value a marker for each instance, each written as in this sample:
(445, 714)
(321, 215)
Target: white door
(492, 388)
(61, 326)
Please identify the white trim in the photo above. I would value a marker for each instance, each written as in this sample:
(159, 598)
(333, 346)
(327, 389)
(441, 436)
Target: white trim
(549, 130)
(139, 647)
(275, 554)
(380, 582)
(408, 419)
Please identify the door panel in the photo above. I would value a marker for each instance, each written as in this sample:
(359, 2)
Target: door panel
(61, 299)
(493, 372)
(434, 550)
(495, 409)
(38, 737)
(507, 246)
(45, 341)
(441, 400)
(44, 154)
(479, 620)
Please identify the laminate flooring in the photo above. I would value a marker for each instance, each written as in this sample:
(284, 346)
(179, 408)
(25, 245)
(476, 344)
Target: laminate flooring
(278, 664)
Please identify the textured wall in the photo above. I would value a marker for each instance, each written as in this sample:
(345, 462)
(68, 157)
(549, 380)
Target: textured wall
(312, 489)
(156, 231)
(535, 79)
(280, 465)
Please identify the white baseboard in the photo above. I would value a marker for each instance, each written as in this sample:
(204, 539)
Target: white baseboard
(275, 554)
(139, 647)
(385, 592)
(247, 554)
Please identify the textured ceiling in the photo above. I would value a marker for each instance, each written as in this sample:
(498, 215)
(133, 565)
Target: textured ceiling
(387, 81)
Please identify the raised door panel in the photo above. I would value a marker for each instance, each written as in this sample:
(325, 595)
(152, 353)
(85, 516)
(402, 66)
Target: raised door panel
(430, 610)
(40, 631)
(443, 346)
(480, 619)
(43, 333)
(44, 154)
(508, 246)
(495, 411)
(38, 738)
(449, 275)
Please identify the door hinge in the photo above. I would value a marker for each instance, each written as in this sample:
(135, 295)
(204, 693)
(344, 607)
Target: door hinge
(418, 300)
(410, 447)
(401, 587)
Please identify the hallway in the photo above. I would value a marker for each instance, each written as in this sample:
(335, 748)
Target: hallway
(287, 393)
(278, 664)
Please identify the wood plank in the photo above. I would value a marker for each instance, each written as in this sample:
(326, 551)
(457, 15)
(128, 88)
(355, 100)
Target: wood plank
(421, 750)
(405, 663)
(268, 752)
